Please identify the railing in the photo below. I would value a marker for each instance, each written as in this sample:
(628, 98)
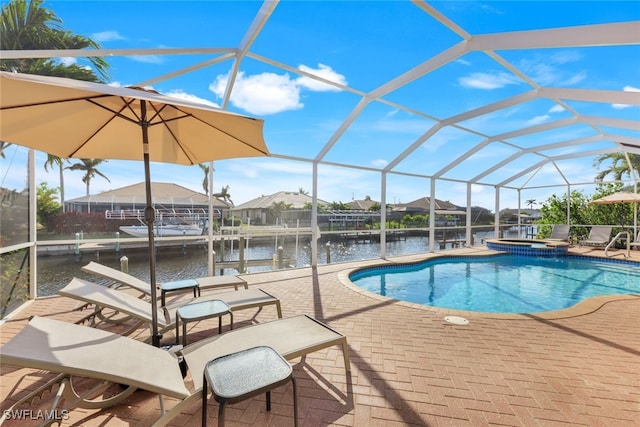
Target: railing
(183, 214)
(615, 239)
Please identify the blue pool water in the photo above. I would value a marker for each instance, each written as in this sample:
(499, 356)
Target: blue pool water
(503, 283)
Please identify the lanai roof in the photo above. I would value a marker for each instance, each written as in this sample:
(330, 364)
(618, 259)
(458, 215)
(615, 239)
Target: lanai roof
(523, 102)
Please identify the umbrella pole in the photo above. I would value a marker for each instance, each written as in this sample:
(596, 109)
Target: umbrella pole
(150, 216)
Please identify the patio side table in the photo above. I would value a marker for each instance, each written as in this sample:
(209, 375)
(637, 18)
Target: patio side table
(178, 286)
(197, 311)
(245, 374)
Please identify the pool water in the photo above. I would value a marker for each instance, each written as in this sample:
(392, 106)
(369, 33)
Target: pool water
(503, 283)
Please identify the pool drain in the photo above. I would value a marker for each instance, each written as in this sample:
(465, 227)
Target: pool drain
(456, 320)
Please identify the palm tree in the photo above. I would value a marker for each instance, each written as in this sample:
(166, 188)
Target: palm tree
(223, 194)
(26, 25)
(530, 203)
(90, 168)
(205, 181)
(55, 160)
(619, 166)
(3, 146)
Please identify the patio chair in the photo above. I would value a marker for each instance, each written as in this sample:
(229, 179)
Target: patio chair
(62, 348)
(559, 233)
(600, 235)
(127, 307)
(125, 279)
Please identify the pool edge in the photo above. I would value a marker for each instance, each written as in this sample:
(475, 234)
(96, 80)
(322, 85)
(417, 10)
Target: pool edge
(582, 308)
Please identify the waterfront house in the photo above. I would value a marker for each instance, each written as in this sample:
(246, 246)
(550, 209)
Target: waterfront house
(283, 206)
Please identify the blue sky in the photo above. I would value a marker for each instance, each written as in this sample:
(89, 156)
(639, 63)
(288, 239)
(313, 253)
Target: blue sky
(360, 46)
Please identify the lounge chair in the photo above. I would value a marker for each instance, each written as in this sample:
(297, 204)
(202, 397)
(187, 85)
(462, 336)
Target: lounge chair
(600, 235)
(123, 303)
(126, 279)
(291, 337)
(559, 233)
(62, 348)
(77, 351)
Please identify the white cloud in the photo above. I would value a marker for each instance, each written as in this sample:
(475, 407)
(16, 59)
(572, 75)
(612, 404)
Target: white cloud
(68, 61)
(556, 109)
(379, 163)
(543, 68)
(147, 59)
(180, 94)
(488, 81)
(107, 36)
(326, 73)
(537, 120)
(573, 80)
(391, 113)
(565, 57)
(270, 93)
(261, 94)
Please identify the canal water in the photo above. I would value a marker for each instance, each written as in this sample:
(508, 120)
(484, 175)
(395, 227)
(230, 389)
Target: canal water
(178, 263)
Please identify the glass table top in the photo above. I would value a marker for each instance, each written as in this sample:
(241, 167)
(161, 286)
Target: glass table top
(203, 309)
(246, 371)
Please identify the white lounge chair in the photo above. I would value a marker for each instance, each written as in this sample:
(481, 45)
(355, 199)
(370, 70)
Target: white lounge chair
(78, 351)
(62, 348)
(559, 233)
(122, 303)
(600, 235)
(126, 279)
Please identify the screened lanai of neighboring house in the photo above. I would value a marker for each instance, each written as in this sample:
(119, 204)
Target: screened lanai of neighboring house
(475, 104)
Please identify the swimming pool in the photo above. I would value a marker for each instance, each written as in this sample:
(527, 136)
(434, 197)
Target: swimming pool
(501, 283)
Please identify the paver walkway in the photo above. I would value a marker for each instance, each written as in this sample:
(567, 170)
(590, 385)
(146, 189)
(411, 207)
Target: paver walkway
(409, 366)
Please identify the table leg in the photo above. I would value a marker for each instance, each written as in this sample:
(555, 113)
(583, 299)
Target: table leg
(295, 402)
(177, 329)
(221, 413)
(205, 388)
(184, 333)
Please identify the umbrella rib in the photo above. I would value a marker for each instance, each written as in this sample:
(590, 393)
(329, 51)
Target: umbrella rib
(163, 121)
(206, 124)
(57, 101)
(266, 153)
(115, 114)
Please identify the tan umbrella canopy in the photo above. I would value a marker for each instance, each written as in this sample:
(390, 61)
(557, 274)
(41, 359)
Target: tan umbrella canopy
(70, 118)
(621, 197)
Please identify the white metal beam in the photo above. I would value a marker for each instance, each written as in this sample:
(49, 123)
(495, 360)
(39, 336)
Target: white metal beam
(254, 29)
(622, 33)
(591, 95)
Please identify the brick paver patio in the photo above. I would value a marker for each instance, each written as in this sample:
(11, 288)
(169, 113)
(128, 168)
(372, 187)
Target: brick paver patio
(409, 366)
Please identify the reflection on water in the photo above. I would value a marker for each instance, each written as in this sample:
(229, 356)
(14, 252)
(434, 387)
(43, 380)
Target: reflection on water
(54, 272)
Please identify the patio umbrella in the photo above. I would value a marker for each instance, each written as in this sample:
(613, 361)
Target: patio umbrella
(621, 197)
(69, 118)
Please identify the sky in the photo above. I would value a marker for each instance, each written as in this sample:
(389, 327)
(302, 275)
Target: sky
(360, 46)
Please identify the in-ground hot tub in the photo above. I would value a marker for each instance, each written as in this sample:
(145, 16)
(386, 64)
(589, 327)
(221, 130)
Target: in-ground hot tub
(541, 248)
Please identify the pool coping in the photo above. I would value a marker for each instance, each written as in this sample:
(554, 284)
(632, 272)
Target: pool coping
(582, 308)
